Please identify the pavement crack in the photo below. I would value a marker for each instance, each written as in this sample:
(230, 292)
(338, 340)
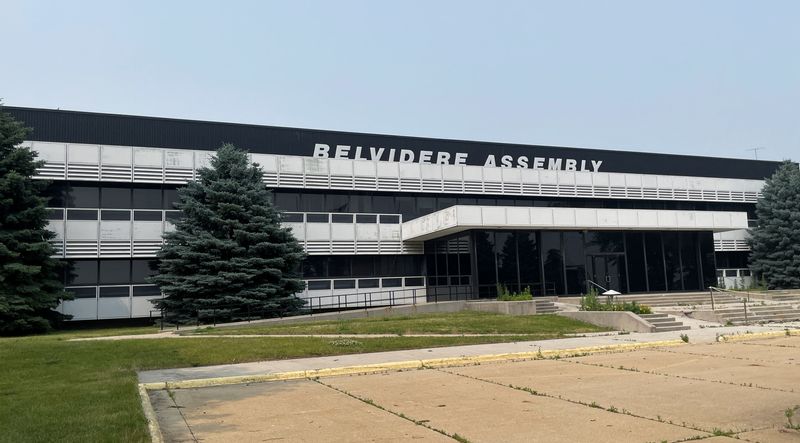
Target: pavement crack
(179, 408)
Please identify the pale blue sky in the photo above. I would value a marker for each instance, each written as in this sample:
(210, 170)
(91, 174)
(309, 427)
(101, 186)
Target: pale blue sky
(693, 77)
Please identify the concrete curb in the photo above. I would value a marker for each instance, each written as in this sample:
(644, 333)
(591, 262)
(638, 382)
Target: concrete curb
(403, 365)
(770, 334)
(150, 415)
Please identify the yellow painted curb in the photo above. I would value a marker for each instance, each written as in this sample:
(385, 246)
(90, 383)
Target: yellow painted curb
(403, 365)
(150, 415)
(757, 335)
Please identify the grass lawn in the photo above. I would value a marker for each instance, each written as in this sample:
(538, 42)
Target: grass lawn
(464, 322)
(55, 390)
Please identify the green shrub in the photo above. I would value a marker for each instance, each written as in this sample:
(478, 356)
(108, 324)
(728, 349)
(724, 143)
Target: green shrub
(503, 294)
(591, 302)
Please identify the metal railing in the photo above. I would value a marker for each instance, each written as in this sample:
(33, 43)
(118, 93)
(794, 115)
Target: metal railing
(326, 303)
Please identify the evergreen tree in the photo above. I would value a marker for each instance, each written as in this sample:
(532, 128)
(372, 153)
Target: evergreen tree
(228, 256)
(30, 279)
(775, 242)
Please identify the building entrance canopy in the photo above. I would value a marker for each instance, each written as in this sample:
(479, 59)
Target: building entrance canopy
(461, 218)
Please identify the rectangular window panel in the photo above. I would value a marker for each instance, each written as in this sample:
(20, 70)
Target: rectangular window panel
(390, 219)
(672, 261)
(361, 203)
(364, 265)
(287, 201)
(689, 261)
(311, 202)
(368, 283)
(655, 261)
(344, 284)
(315, 285)
(604, 241)
(55, 214)
(340, 267)
(142, 269)
(170, 198)
(147, 198)
(292, 217)
(634, 249)
(366, 218)
(529, 270)
(392, 282)
(575, 261)
(146, 291)
(415, 281)
(115, 291)
(83, 197)
(553, 262)
(383, 204)
(115, 197)
(337, 203)
(406, 205)
(317, 218)
(484, 247)
(315, 266)
(115, 215)
(505, 248)
(147, 215)
(342, 218)
(82, 273)
(115, 272)
(81, 214)
(83, 292)
(173, 216)
(56, 194)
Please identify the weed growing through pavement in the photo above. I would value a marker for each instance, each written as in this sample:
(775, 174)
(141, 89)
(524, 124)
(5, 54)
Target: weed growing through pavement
(789, 413)
(685, 338)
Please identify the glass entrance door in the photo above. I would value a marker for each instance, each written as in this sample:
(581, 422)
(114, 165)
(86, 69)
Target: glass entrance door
(607, 270)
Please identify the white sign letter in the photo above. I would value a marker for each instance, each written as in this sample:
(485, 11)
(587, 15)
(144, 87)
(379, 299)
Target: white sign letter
(321, 150)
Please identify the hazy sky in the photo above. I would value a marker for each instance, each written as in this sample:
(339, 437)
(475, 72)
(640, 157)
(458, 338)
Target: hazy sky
(694, 77)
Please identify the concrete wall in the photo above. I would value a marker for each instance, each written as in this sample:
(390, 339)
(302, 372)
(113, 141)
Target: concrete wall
(617, 320)
(504, 307)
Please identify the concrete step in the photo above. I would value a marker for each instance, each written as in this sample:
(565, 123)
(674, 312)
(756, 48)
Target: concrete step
(659, 321)
(761, 318)
(655, 315)
(673, 328)
(668, 324)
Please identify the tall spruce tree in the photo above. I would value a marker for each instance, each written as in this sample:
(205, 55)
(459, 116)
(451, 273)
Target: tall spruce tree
(228, 256)
(775, 242)
(30, 279)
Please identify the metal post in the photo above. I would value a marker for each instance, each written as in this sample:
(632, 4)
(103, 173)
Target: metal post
(215, 316)
(248, 313)
(711, 291)
(744, 302)
(311, 306)
(162, 319)
(414, 293)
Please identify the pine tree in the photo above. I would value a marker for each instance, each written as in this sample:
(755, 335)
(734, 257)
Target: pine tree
(228, 256)
(30, 279)
(775, 242)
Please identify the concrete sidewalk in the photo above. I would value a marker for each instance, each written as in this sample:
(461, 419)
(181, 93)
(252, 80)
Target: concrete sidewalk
(704, 335)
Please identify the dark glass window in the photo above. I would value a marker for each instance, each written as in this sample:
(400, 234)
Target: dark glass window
(425, 205)
(707, 258)
(528, 250)
(317, 218)
(55, 214)
(365, 283)
(445, 202)
(339, 267)
(365, 218)
(484, 253)
(342, 218)
(575, 262)
(390, 219)
(672, 261)
(689, 261)
(56, 194)
(415, 281)
(364, 266)
(117, 291)
(83, 197)
(344, 284)
(170, 198)
(337, 203)
(319, 284)
(655, 261)
(292, 217)
(81, 214)
(361, 203)
(115, 215)
(312, 202)
(146, 291)
(553, 262)
(287, 201)
(315, 266)
(115, 197)
(506, 250)
(406, 205)
(141, 269)
(115, 272)
(147, 215)
(147, 198)
(604, 241)
(392, 282)
(383, 204)
(83, 292)
(637, 271)
(82, 273)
